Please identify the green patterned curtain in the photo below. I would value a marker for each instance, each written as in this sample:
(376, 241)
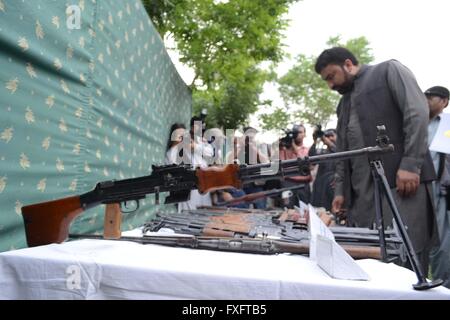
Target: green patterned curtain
(81, 100)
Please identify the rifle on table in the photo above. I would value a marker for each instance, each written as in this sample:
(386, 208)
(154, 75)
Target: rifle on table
(258, 195)
(49, 222)
(245, 245)
(284, 226)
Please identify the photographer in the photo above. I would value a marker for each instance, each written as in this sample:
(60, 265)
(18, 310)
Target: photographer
(323, 186)
(292, 148)
(293, 141)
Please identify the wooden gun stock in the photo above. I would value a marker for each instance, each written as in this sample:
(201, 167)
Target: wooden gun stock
(356, 252)
(214, 178)
(48, 222)
(363, 252)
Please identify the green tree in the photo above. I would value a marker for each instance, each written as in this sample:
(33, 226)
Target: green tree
(306, 96)
(224, 42)
(161, 12)
(275, 120)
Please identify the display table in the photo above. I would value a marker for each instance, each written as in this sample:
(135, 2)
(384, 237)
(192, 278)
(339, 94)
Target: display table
(102, 269)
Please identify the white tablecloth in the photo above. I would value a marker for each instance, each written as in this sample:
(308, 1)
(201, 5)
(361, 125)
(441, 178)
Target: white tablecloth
(101, 269)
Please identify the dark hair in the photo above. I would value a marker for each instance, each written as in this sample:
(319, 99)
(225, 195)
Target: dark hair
(194, 119)
(296, 129)
(329, 132)
(336, 55)
(174, 127)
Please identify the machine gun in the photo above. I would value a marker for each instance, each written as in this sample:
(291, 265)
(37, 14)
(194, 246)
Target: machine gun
(49, 222)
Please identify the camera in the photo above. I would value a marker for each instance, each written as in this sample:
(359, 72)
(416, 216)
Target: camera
(319, 133)
(290, 135)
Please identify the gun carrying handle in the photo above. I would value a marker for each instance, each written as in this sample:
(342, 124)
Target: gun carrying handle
(49, 222)
(113, 221)
(214, 178)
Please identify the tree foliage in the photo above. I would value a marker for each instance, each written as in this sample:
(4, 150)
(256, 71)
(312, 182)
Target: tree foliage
(306, 96)
(224, 42)
(275, 120)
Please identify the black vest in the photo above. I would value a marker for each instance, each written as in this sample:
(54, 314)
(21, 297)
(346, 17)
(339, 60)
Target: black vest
(375, 106)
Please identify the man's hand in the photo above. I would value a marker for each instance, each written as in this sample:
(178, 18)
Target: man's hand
(226, 196)
(407, 183)
(337, 205)
(327, 141)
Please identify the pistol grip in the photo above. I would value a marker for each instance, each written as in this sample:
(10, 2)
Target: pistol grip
(113, 221)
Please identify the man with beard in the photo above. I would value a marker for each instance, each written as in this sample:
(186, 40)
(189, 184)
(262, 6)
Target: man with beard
(383, 94)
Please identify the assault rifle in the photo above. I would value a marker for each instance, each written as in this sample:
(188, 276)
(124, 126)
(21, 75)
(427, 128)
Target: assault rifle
(49, 222)
(285, 226)
(246, 245)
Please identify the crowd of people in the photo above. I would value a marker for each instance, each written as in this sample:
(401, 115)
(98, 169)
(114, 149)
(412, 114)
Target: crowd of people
(201, 152)
(372, 95)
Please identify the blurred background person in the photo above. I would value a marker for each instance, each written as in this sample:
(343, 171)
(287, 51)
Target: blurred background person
(437, 98)
(174, 150)
(292, 147)
(216, 139)
(323, 186)
(183, 152)
(252, 155)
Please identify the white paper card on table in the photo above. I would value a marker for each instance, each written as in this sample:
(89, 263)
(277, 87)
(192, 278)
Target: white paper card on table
(328, 254)
(335, 261)
(441, 140)
(316, 226)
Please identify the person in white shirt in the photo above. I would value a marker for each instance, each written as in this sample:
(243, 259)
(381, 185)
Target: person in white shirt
(186, 153)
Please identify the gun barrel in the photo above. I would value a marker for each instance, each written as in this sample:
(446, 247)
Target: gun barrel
(351, 154)
(299, 166)
(258, 195)
(343, 155)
